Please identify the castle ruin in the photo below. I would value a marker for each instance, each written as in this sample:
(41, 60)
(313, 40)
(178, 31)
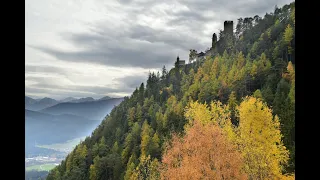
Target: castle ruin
(214, 42)
(179, 63)
(216, 45)
(228, 27)
(227, 32)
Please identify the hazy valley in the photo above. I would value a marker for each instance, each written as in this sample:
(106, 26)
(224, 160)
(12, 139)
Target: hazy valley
(53, 128)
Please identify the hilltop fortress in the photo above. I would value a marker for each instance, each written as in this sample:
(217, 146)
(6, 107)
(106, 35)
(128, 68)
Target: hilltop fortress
(228, 31)
(215, 46)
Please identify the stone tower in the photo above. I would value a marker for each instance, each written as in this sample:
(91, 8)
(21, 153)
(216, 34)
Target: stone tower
(214, 41)
(179, 63)
(228, 27)
(178, 59)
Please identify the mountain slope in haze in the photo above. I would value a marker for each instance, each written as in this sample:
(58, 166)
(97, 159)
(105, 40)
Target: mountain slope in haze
(45, 128)
(36, 105)
(91, 110)
(104, 98)
(86, 99)
(49, 128)
(68, 99)
(258, 61)
(29, 100)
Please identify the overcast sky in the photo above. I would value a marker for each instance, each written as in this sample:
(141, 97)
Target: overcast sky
(94, 48)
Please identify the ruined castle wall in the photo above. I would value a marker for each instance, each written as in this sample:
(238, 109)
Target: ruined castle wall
(228, 27)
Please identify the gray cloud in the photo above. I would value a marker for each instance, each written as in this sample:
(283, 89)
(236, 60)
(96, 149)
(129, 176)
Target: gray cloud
(75, 90)
(62, 93)
(135, 41)
(114, 57)
(131, 82)
(120, 85)
(30, 69)
(141, 47)
(152, 47)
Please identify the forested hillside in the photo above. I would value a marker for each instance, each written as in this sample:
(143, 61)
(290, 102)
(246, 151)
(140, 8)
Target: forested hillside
(230, 116)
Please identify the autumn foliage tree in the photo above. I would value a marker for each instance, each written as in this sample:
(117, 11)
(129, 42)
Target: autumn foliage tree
(258, 136)
(203, 153)
(147, 169)
(260, 140)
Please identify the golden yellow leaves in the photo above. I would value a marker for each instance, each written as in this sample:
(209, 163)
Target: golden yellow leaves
(257, 138)
(260, 140)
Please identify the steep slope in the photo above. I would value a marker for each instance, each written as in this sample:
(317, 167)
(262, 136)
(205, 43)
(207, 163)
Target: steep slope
(259, 61)
(90, 110)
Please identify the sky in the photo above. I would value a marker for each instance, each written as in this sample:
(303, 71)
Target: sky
(97, 48)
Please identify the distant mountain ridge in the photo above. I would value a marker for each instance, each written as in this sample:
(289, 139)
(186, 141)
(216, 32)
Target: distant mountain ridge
(37, 114)
(29, 100)
(39, 104)
(90, 109)
(68, 99)
(104, 98)
(86, 99)
(35, 105)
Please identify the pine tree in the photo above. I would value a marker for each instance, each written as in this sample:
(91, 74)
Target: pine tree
(155, 146)
(288, 36)
(102, 147)
(232, 103)
(94, 169)
(257, 94)
(115, 148)
(145, 139)
(164, 73)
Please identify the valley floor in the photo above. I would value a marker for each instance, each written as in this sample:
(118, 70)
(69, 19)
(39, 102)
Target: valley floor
(49, 161)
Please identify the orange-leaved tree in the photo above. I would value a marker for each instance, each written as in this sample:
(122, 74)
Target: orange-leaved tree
(203, 153)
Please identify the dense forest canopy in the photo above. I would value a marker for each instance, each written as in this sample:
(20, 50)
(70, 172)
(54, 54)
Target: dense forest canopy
(230, 116)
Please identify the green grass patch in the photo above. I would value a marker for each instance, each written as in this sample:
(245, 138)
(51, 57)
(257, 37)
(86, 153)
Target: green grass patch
(63, 147)
(42, 167)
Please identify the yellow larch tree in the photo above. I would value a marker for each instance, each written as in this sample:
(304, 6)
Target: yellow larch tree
(259, 139)
(197, 111)
(216, 113)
